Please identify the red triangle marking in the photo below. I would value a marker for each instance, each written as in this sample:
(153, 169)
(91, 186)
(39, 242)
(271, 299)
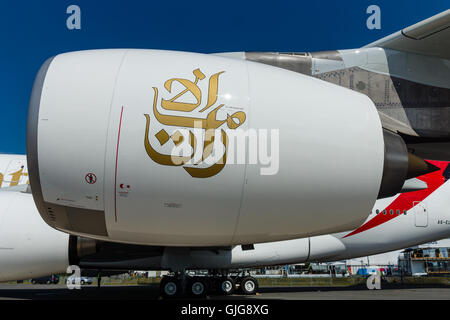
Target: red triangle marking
(407, 200)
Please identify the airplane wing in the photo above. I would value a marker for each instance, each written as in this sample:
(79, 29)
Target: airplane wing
(396, 126)
(429, 37)
(408, 81)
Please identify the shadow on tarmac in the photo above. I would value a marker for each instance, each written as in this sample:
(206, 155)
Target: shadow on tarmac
(151, 292)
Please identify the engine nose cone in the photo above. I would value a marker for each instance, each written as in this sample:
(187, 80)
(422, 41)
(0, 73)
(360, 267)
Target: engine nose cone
(418, 167)
(399, 165)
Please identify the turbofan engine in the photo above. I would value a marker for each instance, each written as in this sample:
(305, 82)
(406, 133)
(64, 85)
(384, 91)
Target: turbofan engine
(142, 147)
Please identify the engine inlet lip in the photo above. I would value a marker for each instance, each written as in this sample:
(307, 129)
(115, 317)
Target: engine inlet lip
(32, 139)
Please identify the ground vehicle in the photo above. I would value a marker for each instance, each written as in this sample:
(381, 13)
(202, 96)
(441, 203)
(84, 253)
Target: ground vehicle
(52, 279)
(82, 280)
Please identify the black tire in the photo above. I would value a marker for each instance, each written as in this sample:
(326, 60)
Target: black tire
(82, 282)
(198, 287)
(169, 287)
(226, 286)
(249, 285)
(33, 282)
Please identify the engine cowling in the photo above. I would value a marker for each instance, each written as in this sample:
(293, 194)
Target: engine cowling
(29, 248)
(103, 125)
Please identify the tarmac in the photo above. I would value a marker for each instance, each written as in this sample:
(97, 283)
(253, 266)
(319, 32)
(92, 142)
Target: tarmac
(151, 292)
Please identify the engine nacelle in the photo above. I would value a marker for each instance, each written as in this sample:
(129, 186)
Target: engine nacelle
(93, 254)
(103, 126)
(29, 248)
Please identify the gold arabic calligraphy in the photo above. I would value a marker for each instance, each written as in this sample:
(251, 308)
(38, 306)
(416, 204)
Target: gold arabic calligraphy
(209, 124)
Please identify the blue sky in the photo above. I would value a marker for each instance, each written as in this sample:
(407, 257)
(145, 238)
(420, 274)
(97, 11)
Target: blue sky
(31, 31)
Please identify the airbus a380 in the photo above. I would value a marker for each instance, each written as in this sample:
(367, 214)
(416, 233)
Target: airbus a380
(30, 248)
(101, 164)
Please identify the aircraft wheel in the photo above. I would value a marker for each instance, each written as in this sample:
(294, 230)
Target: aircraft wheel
(198, 287)
(249, 285)
(226, 286)
(169, 287)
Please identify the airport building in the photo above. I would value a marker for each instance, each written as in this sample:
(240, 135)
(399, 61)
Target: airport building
(428, 259)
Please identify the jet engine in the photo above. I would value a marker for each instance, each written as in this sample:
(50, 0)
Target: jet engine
(167, 148)
(29, 248)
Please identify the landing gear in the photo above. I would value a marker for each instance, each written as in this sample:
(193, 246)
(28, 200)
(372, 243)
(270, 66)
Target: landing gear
(249, 285)
(198, 287)
(169, 287)
(226, 286)
(180, 284)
